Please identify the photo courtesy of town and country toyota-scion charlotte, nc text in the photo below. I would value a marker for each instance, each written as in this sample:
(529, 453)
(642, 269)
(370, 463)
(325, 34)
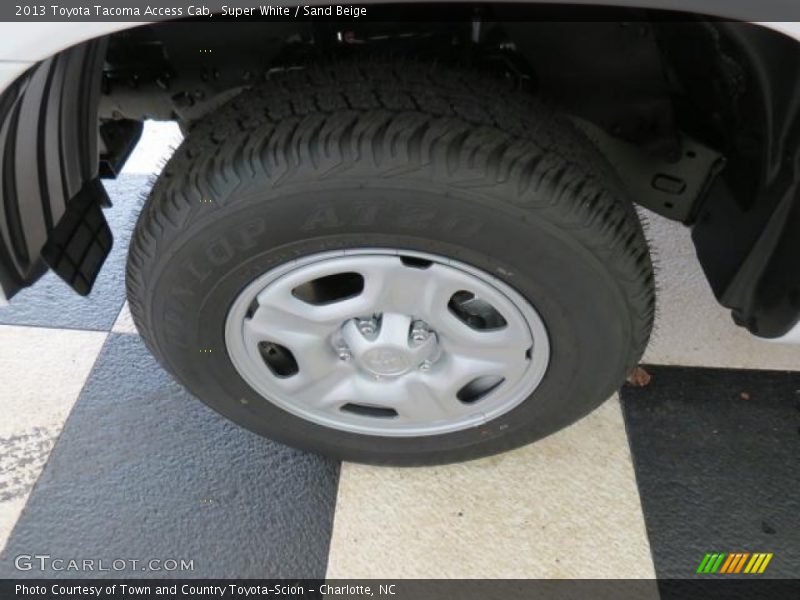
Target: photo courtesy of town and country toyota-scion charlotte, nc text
(190, 590)
(58, 11)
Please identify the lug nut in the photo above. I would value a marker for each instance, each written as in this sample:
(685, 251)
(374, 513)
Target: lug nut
(344, 354)
(419, 335)
(419, 332)
(367, 327)
(425, 366)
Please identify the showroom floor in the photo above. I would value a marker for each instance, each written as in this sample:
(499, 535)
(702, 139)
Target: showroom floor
(103, 455)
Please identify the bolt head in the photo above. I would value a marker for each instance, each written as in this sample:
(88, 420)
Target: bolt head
(419, 335)
(345, 354)
(419, 331)
(366, 327)
(425, 366)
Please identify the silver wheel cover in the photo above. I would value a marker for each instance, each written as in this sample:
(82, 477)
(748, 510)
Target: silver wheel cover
(395, 358)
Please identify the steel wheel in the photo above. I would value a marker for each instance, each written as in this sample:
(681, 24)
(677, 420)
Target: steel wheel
(391, 352)
(387, 343)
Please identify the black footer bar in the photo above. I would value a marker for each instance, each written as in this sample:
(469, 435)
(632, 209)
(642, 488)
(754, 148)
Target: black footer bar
(397, 589)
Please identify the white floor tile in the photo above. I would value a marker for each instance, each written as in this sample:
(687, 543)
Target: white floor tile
(155, 147)
(124, 322)
(559, 508)
(42, 372)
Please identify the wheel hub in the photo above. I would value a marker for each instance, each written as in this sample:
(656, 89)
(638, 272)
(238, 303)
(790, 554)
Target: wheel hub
(388, 345)
(385, 361)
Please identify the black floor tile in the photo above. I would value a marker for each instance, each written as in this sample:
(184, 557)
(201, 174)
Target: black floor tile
(717, 459)
(143, 470)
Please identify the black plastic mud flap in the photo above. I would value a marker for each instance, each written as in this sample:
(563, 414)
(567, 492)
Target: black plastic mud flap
(50, 195)
(81, 241)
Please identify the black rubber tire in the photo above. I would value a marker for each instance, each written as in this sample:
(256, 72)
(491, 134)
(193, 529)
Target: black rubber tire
(394, 153)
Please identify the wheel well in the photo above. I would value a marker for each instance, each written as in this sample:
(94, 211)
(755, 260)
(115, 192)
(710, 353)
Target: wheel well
(646, 78)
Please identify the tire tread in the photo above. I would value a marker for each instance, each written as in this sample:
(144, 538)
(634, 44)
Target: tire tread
(468, 128)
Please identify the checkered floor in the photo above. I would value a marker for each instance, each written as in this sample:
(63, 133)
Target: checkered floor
(103, 455)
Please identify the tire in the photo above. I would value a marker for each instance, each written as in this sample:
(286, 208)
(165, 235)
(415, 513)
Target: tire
(392, 154)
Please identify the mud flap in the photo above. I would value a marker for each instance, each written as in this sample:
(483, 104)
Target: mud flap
(81, 241)
(49, 162)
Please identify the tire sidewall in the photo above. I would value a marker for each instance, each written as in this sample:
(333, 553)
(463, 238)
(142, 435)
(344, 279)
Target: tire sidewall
(205, 267)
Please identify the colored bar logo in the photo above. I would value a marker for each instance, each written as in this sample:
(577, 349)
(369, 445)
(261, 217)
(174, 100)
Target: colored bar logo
(734, 563)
